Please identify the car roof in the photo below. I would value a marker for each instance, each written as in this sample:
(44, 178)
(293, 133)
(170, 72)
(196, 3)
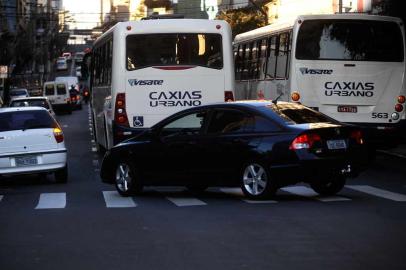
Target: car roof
(18, 89)
(17, 109)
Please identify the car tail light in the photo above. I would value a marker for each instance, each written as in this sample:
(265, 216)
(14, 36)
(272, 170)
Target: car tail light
(304, 141)
(58, 134)
(228, 96)
(295, 96)
(357, 136)
(73, 98)
(398, 107)
(401, 99)
(120, 115)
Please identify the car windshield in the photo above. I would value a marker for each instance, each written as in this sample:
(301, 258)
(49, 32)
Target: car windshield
(18, 93)
(22, 120)
(174, 49)
(33, 102)
(297, 114)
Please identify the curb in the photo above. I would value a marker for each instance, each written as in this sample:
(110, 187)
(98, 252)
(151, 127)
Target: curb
(391, 154)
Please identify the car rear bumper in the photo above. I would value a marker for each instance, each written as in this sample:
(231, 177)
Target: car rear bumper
(47, 161)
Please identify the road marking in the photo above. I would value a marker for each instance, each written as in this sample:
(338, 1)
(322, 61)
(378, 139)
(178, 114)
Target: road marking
(95, 163)
(379, 192)
(114, 200)
(51, 201)
(186, 201)
(90, 129)
(232, 191)
(92, 141)
(309, 193)
(1, 197)
(94, 149)
(259, 201)
(65, 126)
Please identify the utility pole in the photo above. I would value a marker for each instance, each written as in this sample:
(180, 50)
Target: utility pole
(340, 6)
(101, 12)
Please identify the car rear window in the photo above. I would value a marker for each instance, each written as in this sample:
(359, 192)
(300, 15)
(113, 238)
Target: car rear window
(22, 120)
(60, 89)
(18, 92)
(49, 89)
(298, 114)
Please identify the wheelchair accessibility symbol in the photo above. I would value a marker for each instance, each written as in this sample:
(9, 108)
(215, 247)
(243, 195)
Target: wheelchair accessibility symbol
(138, 121)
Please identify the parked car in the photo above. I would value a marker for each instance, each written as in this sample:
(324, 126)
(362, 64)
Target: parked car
(61, 64)
(78, 72)
(18, 92)
(58, 94)
(33, 101)
(259, 146)
(31, 142)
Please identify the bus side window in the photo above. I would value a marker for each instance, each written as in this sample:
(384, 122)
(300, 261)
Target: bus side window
(246, 59)
(262, 59)
(283, 53)
(271, 62)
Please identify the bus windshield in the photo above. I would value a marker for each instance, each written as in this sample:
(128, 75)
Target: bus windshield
(146, 50)
(350, 40)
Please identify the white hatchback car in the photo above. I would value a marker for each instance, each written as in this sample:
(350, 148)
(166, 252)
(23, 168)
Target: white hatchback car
(31, 142)
(33, 101)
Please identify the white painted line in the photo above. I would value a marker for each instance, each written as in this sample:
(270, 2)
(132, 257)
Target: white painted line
(90, 129)
(51, 201)
(1, 197)
(115, 200)
(93, 141)
(310, 193)
(186, 201)
(64, 126)
(95, 162)
(259, 201)
(232, 191)
(379, 192)
(94, 149)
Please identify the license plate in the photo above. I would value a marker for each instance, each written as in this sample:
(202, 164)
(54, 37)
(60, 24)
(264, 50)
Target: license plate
(347, 109)
(336, 144)
(26, 161)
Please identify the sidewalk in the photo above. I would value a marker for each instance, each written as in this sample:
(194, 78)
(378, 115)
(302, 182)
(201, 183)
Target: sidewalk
(399, 151)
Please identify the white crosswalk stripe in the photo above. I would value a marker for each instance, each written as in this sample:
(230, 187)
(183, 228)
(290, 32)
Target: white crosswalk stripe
(238, 193)
(379, 192)
(114, 200)
(51, 201)
(186, 201)
(309, 193)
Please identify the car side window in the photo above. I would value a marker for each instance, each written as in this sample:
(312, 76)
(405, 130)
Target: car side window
(230, 121)
(188, 124)
(265, 125)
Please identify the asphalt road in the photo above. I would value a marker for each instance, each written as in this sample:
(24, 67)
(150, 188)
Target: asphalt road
(84, 224)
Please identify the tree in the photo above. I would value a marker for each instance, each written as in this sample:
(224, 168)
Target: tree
(242, 19)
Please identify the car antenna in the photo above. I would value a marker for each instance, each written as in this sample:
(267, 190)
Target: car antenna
(275, 101)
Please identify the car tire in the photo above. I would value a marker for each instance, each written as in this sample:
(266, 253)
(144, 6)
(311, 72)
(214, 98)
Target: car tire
(126, 180)
(256, 181)
(330, 186)
(61, 175)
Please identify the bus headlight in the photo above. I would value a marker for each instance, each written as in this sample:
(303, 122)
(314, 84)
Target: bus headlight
(395, 116)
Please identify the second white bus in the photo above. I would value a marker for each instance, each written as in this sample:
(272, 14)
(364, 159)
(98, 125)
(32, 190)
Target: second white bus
(144, 71)
(348, 66)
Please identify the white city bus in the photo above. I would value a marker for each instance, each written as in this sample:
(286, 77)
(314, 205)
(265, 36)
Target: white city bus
(348, 66)
(144, 71)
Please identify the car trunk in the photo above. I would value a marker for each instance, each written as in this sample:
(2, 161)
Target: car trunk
(25, 141)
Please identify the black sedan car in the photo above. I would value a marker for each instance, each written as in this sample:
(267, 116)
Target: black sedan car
(257, 145)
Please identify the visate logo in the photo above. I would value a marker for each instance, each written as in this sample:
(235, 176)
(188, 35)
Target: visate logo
(135, 82)
(305, 71)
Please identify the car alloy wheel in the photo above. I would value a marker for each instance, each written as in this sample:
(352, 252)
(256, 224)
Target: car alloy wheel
(255, 179)
(123, 178)
(125, 181)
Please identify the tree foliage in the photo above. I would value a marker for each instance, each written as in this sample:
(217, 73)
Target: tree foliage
(242, 19)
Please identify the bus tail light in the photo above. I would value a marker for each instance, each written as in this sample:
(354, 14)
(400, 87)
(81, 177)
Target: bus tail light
(58, 134)
(401, 99)
(304, 141)
(228, 96)
(398, 107)
(295, 96)
(120, 114)
(357, 136)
